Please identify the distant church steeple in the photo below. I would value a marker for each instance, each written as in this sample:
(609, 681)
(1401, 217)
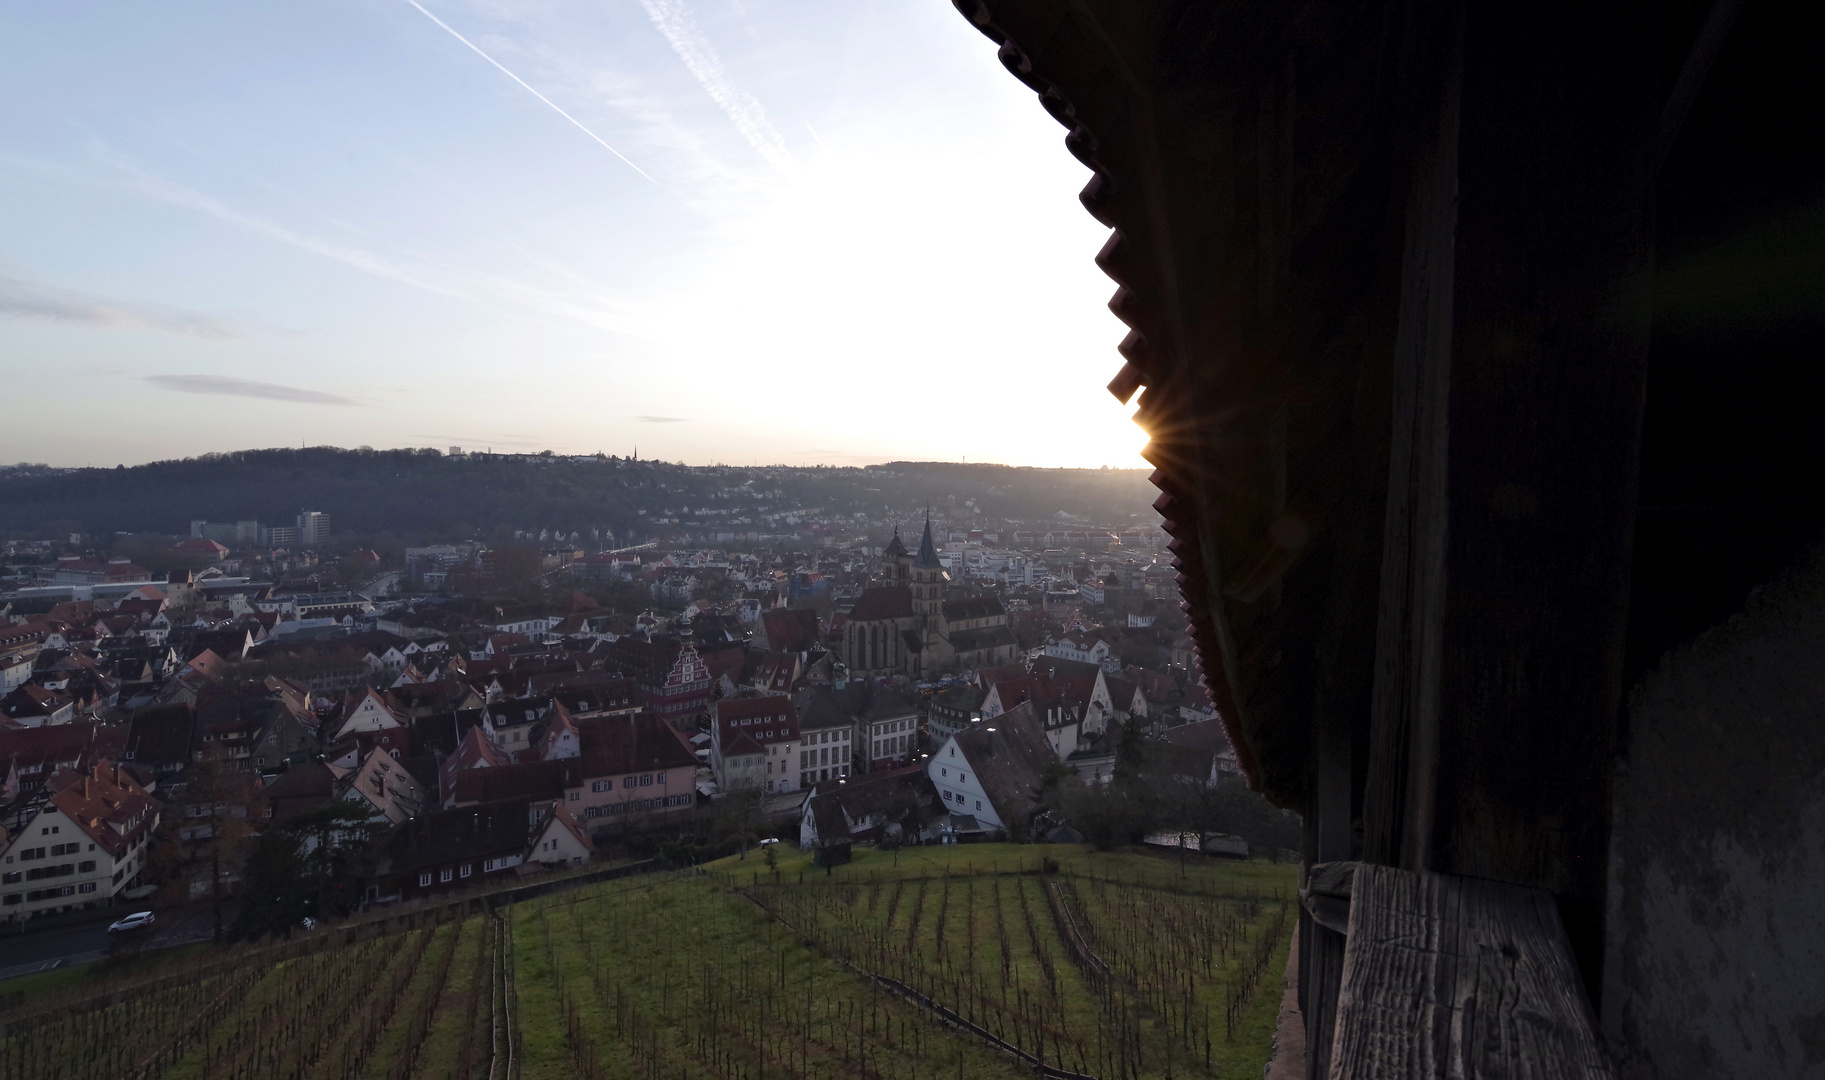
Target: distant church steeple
(928, 553)
(928, 575)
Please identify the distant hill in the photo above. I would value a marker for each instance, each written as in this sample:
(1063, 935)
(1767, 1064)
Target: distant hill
(426, 495)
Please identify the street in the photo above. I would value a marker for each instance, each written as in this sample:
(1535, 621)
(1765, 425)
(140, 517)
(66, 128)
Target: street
(32, 952)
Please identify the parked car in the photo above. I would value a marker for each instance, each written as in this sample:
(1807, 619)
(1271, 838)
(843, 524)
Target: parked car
(769, 840)
(139, 920)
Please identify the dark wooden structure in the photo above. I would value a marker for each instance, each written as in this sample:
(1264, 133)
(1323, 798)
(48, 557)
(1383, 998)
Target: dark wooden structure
(1389, 270)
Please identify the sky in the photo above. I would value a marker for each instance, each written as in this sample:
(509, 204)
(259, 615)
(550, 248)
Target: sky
(737, 231)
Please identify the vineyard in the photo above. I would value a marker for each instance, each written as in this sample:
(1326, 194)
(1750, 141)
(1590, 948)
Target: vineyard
(989, 961)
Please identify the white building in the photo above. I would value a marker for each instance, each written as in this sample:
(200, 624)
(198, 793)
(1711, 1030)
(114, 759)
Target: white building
(754, 744)
(85, 846)
(891, 728)
(313, 528)
(1078, 646)
(991, 771)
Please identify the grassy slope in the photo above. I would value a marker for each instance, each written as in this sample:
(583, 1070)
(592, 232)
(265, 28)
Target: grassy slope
(1163, 895)
(684, 975)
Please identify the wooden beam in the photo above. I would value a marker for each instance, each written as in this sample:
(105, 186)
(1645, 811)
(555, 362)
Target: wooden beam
(1403, 750)
(1705, 47)
(1520, 381)
(1448, 976)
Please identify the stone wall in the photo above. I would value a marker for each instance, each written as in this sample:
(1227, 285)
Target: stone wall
(1716, 942)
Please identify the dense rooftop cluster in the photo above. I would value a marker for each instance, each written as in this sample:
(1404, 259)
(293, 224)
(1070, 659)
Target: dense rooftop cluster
(471, 709)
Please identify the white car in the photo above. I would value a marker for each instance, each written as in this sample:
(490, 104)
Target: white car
(769, 840)
(139, 920)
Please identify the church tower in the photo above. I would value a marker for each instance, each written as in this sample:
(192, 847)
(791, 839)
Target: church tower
(928, 576)
(897, 561)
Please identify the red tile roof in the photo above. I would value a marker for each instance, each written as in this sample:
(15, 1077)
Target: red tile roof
(769, 719)
(882, 602)
(792, 630)
(616, 745)
(107, 803)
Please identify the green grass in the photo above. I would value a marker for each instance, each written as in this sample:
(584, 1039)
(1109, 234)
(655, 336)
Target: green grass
(38, 983)
(1192, 949)
(35, 987)
(737, 972)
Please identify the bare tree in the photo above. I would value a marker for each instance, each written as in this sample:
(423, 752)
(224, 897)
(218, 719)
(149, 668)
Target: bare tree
(223, 810)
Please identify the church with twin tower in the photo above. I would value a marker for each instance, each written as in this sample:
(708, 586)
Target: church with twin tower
(910, 626)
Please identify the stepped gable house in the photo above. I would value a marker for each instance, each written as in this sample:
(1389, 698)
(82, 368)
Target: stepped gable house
(674, 680)
(909, 627)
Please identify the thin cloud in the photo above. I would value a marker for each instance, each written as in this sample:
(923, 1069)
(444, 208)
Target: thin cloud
(581, 303)
(530, 90)
(661, 419)
(27, 298)
(673, 19)
(216, 384)
(178, 195)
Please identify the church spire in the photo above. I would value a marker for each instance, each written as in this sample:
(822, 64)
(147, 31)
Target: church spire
(928, 554)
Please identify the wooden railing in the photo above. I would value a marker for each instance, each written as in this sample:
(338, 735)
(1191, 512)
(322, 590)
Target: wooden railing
(1447, 976)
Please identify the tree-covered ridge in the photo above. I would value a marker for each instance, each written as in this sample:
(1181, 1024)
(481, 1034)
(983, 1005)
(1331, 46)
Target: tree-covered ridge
(426, 494)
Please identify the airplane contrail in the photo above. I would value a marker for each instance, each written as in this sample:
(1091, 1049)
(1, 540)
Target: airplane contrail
(530, 90)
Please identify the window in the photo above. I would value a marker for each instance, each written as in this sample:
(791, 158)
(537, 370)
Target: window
(601, 785)
(92, 846)
(978, 804)
(87, 866)
(11, 878)
(629, 781)
(87, 886)
(424, 880)
(489, 866)
(12, 898)
(947, 796)
(575, 795)
(660, 777)
(445, 875)
(943, 772)
(646, 779)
